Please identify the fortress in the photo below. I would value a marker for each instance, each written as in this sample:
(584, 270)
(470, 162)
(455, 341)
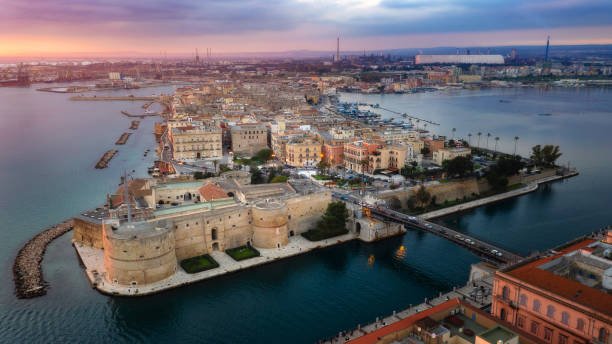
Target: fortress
(173, 221)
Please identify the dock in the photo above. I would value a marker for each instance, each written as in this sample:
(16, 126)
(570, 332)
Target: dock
(127, 114)
(106, 158)
(27, 270)
(123, 139)
(409, 116)
(128, 98)
(134, 125)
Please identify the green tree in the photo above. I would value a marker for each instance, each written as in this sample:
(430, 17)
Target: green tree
(334, 219)
(263, 155)
(461, 165)
(322, 166)
(395, 203)
(423, 197)
(256, 176)
(425, 151)
(551, 154)
(508, 166)
(536, 155)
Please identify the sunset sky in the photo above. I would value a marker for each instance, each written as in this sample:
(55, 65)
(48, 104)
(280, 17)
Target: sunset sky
(64, 27)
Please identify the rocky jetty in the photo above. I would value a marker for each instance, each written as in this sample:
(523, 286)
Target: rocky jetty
(27, 270)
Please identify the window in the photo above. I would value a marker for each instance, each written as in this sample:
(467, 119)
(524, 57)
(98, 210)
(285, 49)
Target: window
(534, 327)
(550, 311)
(580, 324)
(565, 318)
(548, 334)
(562, 339)
(536, 305)
(520, 321)
(603, 335)
(505, 293)
(523, 300)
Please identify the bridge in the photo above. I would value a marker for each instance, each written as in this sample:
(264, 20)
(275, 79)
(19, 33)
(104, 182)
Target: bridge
(485, 250)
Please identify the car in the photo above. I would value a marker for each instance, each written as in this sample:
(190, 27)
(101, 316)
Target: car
(459, 237)
(494, 251)
(499, 254)
(412, 218)
(442, 231)
(428, 225)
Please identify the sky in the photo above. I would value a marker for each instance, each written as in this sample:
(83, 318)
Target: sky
(64, 27)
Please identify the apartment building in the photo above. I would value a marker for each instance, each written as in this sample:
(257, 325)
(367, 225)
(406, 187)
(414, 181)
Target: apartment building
(249, 138)
(196, 142)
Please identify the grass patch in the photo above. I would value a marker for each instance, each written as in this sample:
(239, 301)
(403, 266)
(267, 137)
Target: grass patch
(242, 253)
(318, 235)
(321, 177)
(514, 186)
(199, 264)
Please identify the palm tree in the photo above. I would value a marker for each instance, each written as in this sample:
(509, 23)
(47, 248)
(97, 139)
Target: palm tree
(425, 126)
(496, 140)
(516, 138)
(488, 135)
(215, 162)
(470, 139)
(479, 133)
(453, 136)
(418, 120)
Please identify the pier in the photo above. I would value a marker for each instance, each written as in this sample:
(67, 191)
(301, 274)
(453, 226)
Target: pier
(106, 158)
(127, 114)
(27, 271)
(134, 125)
(409, 116)
(128, 98)
(123, 139)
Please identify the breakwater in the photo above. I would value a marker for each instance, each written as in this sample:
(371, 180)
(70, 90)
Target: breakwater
(106, 158)
(27, 271)
(134, 125)
(123, 139)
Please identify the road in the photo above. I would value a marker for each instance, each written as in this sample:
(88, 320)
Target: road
(488, 251)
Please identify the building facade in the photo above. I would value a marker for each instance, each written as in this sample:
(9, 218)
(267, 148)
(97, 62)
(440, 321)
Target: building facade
(562, 298)
(303, 152)
(449, 154)
(249, 138)
(196, 142)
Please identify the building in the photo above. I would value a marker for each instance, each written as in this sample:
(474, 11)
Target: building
(449, 154)
(333, 153)
(303, 152)
(390, 157)
(249, 138)
(196, 142)
(562, 297)
(459, 59)
(356, 152)
(434, 144)
(453, 321)
(194, 218)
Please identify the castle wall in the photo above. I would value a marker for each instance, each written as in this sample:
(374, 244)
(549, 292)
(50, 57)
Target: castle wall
(304, 211)
(270, 224)
(442, 192)
(139, 259)
(87, 233)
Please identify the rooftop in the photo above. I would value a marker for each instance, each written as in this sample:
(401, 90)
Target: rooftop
(497, 333)
(179, 185)
(532, 273)
(191, 207)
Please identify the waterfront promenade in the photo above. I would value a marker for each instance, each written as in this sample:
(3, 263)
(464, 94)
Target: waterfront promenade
(93, 259)
(477, 293)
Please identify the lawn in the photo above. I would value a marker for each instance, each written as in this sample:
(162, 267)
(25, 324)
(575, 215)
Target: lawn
(317, 235)
(242, 253)
(198, 264)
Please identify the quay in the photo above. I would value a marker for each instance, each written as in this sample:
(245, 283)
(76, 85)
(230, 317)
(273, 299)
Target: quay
(134, 125)
(128, 98)
(127, 114)
(93, 259)
(123, 139)
(27, 270)
(409, 116)
(106, 158)
(477, 293)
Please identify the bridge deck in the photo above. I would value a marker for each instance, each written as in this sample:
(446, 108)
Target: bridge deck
(478, 246)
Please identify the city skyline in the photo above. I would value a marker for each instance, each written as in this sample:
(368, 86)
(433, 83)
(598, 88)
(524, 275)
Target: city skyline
(92, 27)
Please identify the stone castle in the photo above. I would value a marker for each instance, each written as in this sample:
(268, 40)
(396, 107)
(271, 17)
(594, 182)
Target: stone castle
(173, 221)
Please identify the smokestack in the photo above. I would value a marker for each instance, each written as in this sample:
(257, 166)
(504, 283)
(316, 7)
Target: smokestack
(338, 49)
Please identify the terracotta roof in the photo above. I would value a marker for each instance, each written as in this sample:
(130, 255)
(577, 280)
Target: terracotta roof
(592, 298)
(190, 127)
(373, 336)
(212, 191)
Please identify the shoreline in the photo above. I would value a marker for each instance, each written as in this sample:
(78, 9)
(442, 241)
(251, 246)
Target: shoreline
(93, 260)
(530, 187)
